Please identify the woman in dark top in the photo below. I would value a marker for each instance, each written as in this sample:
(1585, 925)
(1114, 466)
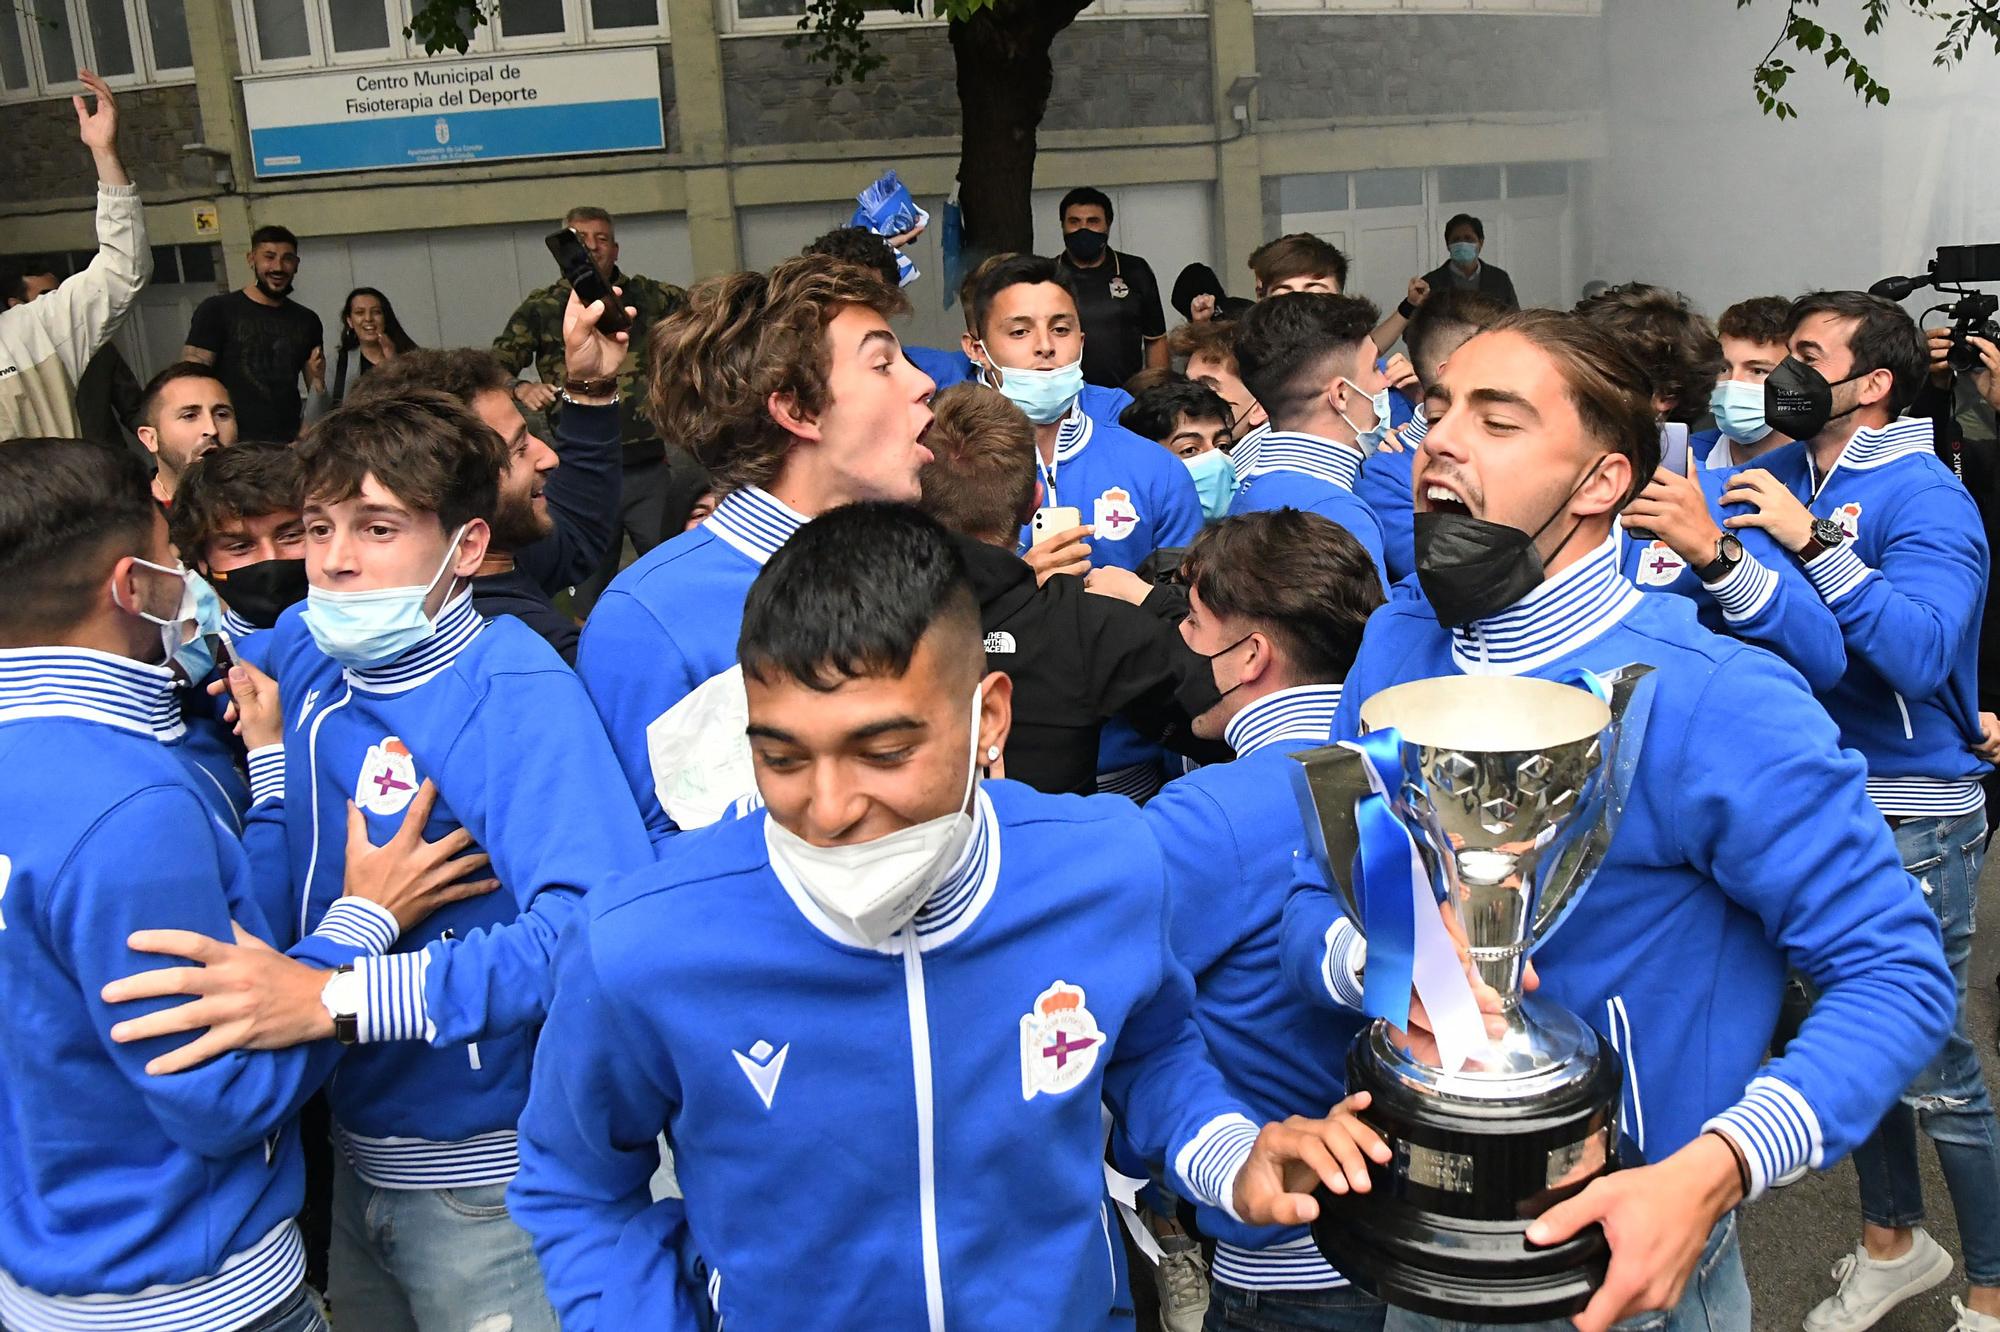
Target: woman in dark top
(368, 325)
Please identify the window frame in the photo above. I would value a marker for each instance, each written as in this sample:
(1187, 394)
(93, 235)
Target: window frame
(146, 73)
(579, 30)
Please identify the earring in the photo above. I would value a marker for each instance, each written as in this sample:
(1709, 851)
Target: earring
(992, 753)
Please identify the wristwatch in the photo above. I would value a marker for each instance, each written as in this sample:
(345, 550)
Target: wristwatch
(1826, 534)
(342, 999)
(1728, 554)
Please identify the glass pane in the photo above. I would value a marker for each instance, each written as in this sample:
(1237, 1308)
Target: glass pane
(767, 9)
(198, 263)
(13, 55)
(1388, 189)
(465, 23)
(1325, 193)
(281, 29)
(167, 20)
(625, 13)
(58, 48)
(358, 25)
(531, 18)
(1531, 180)
(110, 39)
(1463, 184)
(166, 267)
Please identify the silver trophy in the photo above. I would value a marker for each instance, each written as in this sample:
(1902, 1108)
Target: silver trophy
(1511, 789)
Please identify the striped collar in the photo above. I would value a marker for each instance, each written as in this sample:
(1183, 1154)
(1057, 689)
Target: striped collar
(1314, 455)
(755, 522)
(948, 910)
(1303, 712)
(88, 685)
(237, 626)
(457, 624)
(1412, 431)
(1556, 618)
(1074, 433)
(1879, 446)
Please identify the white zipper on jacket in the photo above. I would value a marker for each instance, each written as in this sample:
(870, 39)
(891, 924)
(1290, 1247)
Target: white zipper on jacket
(1909, 733)
(920, 1062)
(1620, 1022)
(312, 782)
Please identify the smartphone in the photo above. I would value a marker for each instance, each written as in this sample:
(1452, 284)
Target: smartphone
(1048, 522)
(1673, 458)
(575, 263)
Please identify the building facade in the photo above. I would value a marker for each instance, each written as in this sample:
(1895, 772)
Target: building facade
(1213, 124)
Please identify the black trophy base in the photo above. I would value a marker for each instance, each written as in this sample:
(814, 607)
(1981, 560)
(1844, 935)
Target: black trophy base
(1443, 1230)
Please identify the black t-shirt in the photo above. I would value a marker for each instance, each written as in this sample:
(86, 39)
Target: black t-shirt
(260, 351)
(1114, 326)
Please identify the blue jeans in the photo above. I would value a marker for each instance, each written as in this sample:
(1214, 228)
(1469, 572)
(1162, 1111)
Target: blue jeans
(1717, 1299)
(1948, 1100)
(300, 1313)
(1340, 1309)
(431, 1260)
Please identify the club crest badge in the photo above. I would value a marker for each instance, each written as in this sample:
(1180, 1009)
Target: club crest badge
(1658, 565)
(388, 781)
(1849, 517)
(1059, 1042)
(1119, 289)
(1115, 517)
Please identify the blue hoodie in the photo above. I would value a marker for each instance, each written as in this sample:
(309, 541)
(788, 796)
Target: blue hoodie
(1139, 496)
(1295, 470)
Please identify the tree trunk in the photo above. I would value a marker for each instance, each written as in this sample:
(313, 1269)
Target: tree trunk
(1004, 77)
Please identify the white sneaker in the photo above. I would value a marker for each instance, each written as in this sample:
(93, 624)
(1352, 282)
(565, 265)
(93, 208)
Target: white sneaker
(1868, 1288)
(1969, 1321)
(1183, 1283)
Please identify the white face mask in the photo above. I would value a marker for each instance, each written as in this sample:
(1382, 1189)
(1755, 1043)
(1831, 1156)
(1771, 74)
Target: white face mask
(1370, 439)
(364, 629)
(876, 888)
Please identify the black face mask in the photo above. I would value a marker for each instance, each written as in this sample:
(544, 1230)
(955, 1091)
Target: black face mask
(261, 592)
(1798, 400)
(1470, 568)
(1084, 245)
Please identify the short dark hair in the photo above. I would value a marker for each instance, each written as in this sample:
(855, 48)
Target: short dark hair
(1155, 413)
(426, 448)
(980, 480)
(69, 510)
(588, 213)
(1001, 272)
(1447, 317)
(1884, 338)
(1761, 319)
(149, 397)
(1297, 255)
(715, 362)
(460, 372)
(1610, 389)
(14, 275)
(1465, 220)
(1290, 347)
(1085, 195)
(861, 247)
(852, 593)
(273, 234)
(247, 480)
(1676, 345)
(1302, 578)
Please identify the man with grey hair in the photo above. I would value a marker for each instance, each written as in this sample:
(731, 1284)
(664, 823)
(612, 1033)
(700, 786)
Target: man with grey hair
(655, 475)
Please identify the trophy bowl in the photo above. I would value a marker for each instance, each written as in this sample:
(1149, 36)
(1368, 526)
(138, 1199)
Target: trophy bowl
(1508, 788)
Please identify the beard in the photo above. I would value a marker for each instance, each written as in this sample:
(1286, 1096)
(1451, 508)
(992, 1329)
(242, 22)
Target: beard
(516, 524)
(275, 293)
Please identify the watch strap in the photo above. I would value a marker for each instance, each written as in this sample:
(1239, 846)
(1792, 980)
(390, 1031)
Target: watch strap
(1723, 561)
(346, 1026)
(605, 386)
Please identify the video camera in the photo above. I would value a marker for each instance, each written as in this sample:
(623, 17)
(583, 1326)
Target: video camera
(1972, 313)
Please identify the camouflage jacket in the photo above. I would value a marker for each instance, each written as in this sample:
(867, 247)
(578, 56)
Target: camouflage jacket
(535, 334)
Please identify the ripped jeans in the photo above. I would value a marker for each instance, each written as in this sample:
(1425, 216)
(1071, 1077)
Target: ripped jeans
(1948, 1099)
(431, 1260)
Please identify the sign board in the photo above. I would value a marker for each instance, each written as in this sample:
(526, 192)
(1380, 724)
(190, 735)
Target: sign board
(433, 112)
(206, 221)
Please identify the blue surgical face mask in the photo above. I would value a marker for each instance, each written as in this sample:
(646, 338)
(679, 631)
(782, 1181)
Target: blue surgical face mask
(188, 635)
(363, 629)
(1464, 252)
(1738, 408)
(1215, 481)
(1370, 439)
(1042, 395)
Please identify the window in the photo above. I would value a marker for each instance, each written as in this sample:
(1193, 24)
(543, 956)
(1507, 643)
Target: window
(760, 16)
(1468, 184)
(130, 42)
(1537, 180)
(1427, 6)
(304, 34)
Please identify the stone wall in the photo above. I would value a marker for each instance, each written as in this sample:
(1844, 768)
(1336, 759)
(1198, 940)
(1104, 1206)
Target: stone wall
(1109, 75)
(1325, 66)
(40, 158)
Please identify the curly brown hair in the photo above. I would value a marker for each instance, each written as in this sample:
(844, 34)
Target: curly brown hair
(1677, 346)
(715, 363)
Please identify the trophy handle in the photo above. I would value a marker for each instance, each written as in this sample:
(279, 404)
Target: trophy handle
(1569, 873)
(1328, 782)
